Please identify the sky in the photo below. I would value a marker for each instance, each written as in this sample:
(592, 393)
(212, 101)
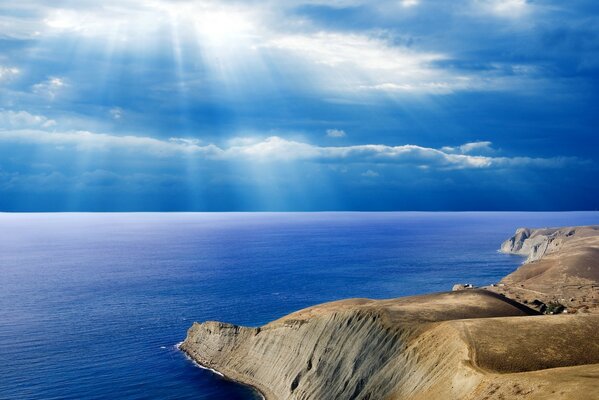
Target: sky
(306, 105)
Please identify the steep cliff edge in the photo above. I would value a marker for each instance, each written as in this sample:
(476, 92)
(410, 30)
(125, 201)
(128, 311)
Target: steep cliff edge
(562, 267)
(536, 243)
(441, 346)
(470, 344)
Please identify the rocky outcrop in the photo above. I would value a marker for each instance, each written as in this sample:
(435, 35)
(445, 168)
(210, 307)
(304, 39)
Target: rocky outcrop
(514, 244)
(536, 243)
(441, 346)
(343, 350)
(561, 271)
(466, 344)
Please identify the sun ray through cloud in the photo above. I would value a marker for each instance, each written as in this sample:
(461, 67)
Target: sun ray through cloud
(402, 80)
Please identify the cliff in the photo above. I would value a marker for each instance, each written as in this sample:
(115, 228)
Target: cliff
(562, 266)
(536, 243)
(468, 344)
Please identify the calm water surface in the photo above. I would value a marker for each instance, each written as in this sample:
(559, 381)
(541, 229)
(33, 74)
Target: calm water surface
(91, 305)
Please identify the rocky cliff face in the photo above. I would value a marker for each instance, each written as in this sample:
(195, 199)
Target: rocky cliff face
(561, 269)
(355, 349)
(470, 344)
(536, 243)
(465, 345)
(344, 355)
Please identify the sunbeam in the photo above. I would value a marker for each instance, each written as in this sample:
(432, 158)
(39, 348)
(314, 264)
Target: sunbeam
(148, 97)
(171, 161)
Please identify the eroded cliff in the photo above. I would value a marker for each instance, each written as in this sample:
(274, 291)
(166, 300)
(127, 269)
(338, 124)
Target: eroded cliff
(562, 267)
(536, 243)
(441, 346)
(469, 344)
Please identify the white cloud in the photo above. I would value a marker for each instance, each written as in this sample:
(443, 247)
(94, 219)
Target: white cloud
(50, 87)
(351, 62)
(473, 147)
(116, 113)
(277, 149)
(370, 174)
(65, 20)
(185, 141)
(372, 62)
(7, 73)
(461, 83)
(23, 119)
(136, 20)
(87, 141)
(505, 8)
(273, 148)
(481, 147)
(238, 39)
(18, 26)
(336, 133)
(409, 3)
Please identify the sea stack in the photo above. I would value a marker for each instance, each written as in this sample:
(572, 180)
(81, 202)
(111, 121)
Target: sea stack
(465, 344)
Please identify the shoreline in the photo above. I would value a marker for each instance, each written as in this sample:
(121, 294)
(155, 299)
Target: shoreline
(448, 345)
(216, 372)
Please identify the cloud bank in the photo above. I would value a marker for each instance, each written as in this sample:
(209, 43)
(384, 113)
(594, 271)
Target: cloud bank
(274, 149)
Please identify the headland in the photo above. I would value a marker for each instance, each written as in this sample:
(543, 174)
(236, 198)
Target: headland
(533, 335)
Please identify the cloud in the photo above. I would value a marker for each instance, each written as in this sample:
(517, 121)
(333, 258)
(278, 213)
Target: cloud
(409, 3)
(88, 141)
(126, 20)
(354, 62)
(273, 148)
(278, 149)
(116, 113)
(483, 147)
(336, 133)
(505, 8)
(240, 38)
(7, 73)
(23, 119)
(370, 174)
(429, 87)
(379, 61)
(184, 141)
(50, 87)
(473, 147)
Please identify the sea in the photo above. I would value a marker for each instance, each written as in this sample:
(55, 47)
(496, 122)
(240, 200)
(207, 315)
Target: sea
(93, 305)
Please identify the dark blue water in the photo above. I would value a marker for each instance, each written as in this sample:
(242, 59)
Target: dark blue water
(91, 305)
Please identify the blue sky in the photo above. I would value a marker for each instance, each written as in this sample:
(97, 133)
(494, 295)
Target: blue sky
(299, 105)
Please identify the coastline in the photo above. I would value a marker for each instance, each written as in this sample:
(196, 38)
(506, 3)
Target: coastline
(216, 372)
(437, 346)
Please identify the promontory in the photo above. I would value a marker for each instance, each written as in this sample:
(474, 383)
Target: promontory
(533, 335)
